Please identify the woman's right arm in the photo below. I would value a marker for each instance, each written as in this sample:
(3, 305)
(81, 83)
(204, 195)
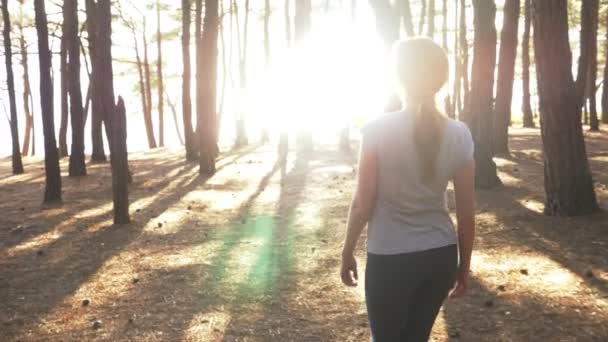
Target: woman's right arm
(464, 188)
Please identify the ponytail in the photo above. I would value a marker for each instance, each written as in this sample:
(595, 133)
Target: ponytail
(428, 136)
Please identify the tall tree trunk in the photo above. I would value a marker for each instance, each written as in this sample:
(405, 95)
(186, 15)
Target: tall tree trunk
(528, 117)
(186, 79)
(480, 118)
(444, 29)
(27, 92)
(302, 28)
(142, 92)
(52, 191)
(241, 134)
(422, 16)
(159, 75)
(117, 120)
(457, 69)
(147, 76)
(98, 154)
(585, 49)
(592, 66)
(430, 29)
(506, 74)
(77, 159)
(8, 59)
(568, 184)
(199, 50)
(406, 13)
(605, 80)
(266, 33)
(206, 122)
(387, 20)
(288, 23)
(220, 110)
(464, 50)
(63, 71)
(175, 120)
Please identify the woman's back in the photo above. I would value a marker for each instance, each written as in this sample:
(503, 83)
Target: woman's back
(411, 214)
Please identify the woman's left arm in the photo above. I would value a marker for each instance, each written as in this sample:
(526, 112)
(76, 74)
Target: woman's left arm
(361, 209)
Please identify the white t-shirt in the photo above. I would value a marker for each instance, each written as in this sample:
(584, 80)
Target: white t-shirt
(410, 215)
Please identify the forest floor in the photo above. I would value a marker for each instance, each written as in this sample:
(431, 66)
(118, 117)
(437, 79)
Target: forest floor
(253, 254)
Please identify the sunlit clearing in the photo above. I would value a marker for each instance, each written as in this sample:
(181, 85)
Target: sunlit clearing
(208, 326)
(532, 204)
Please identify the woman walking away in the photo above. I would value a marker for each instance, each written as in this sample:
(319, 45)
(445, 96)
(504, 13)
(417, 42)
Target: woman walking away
(414, 256)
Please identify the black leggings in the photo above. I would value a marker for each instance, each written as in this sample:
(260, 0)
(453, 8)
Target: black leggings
(404, 292)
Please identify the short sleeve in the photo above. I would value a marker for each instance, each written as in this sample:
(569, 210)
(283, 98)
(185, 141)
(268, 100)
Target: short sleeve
(369, 137)
(466, 143)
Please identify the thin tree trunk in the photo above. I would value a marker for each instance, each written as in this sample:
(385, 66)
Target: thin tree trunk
(605, 80)
(8, 59)
(77, 165)
(98, 154)
(241, 134)
(594, 124)
(585, 49)
(457, 69)
(159, 75)
(302, 28)
(464, 50)
(175, 120)
(568, 184)
(198, 26)
(52, 191)
(506, 75)
(142, 92)
(430, 29)
(266, 33)
(387, 20)
(206, 122)
(528, 117)
(480, 119)
(406, 14)
(27, 92)
(444, 30)
(148, 82)
(120, 163)
(224, 70)
(186, 81)
(63, 70)
(288, 23)
(422, 16)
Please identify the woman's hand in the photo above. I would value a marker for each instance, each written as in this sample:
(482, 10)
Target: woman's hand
(461, 284)
(348, 270)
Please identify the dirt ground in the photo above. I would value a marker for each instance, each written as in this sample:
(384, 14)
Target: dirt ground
(253, 253)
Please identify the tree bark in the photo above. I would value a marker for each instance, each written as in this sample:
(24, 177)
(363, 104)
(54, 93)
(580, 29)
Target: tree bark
(63, 75)
(142, 92)
(406, 14)
(159, 75)
(528, 117)
(480, 118)
(148, 82)
(186, 79)
(568, 184)
(266, 33)
(605, 80)
(52, 191)
(302, 28)
(457, 70)
(27, 92)
(422, 16)
(288, 23)
(77, 165)
(592, 65)
(206, 123)
(430, 29)
(10, 81)
(506, 74)
(241, 134)
(120, 164)
(585, 49)
(98, 154)
(464, 51)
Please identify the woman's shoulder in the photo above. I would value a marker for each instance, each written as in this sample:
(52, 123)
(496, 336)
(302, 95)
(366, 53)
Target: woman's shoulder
(381, 122)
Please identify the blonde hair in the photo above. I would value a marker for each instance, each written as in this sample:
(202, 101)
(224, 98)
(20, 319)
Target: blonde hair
(422, 70)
